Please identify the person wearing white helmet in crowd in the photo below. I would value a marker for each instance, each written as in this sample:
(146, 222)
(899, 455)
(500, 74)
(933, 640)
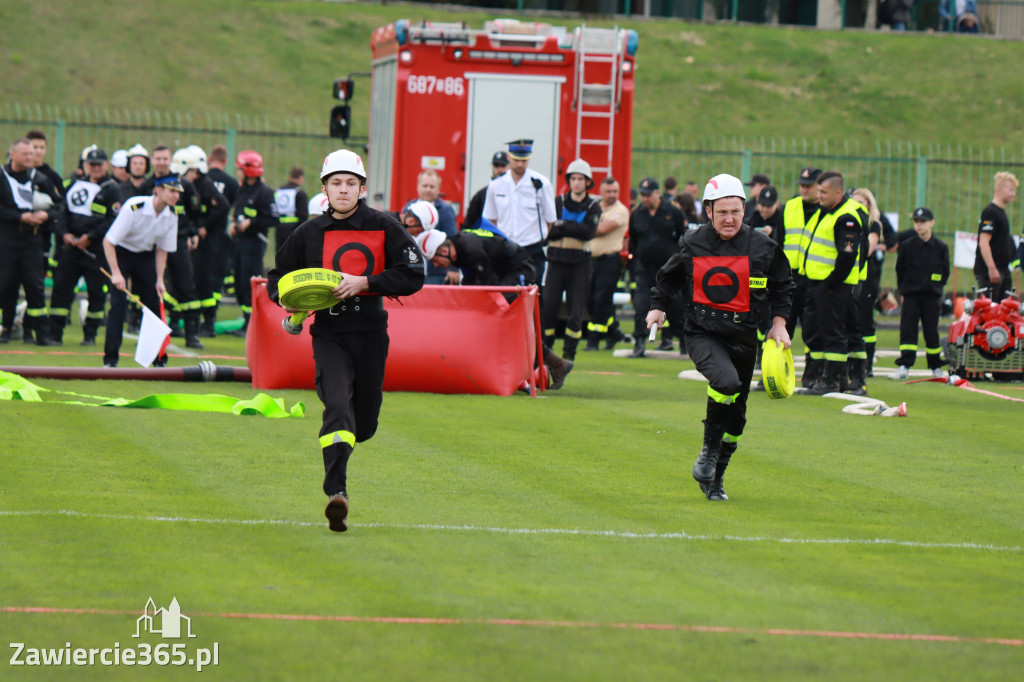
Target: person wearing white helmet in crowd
(569, 257)
(419, 218)
(318, 204)
(138, 166)
(733, 281)
(376, 257)
(119, 165)
(190, 163)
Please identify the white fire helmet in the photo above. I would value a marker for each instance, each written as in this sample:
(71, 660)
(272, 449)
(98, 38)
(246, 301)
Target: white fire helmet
(318, 204)
(723, 185)
(188, 158)
(138, 150)
(85, 152)
(582, 168)
(425, 212)
(119, 159)
(430, 241)
(343, 161)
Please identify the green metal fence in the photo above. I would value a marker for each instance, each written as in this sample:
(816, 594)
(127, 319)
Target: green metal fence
(284, 143)
(955, 181)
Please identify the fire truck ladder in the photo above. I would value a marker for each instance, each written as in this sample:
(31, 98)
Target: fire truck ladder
(598, 94)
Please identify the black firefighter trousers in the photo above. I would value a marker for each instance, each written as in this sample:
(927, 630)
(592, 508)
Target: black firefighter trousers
(349, 382)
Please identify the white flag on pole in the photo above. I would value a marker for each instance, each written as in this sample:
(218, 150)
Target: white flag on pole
(152, 334)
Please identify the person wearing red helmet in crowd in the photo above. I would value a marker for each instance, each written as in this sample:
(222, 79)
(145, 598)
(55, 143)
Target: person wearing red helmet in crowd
(254, 214)
(376, 257)
(732, 280)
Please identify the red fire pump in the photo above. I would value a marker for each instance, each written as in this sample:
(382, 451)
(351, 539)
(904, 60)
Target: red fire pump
(988, 338)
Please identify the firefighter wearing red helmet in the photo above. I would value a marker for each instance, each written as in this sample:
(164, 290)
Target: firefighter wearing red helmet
(732, 280)
(376, 257)
(254, 214)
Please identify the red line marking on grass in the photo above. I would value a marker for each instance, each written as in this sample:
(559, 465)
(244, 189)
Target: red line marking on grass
(516, 622)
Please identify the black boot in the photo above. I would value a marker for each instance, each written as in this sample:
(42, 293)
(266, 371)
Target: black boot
(208, 329)
(844, 376)
(615, 335)
(707, 461)
(857, 384)
(639, 349)
(829, 382)
(714, 490)
(192, 330)
(593, 341)
(557, 369)
(870, 362)
(174, 322)
(812, 372)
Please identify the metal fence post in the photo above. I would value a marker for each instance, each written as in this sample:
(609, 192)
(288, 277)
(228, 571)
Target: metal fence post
(746, 165)
(58, 157)
(230, 144)
(922, 179)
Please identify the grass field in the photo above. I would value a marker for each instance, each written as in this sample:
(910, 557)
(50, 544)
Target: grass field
(277, 58)
(558, 538)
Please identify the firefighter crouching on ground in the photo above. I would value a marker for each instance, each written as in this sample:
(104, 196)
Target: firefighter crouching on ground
(488, 259)
(730, 276)
(376, 257)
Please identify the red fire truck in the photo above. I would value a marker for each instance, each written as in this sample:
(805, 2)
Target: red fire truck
(448, 97)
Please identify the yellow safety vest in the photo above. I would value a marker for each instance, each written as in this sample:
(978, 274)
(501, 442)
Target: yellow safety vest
(818, 247)
(793, 222)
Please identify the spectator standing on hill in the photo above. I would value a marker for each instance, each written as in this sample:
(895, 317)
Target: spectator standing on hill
(428, 188)
(292, 206)
(223, 279)
(92, 203)
(350, 340)
(22, 260)
(729, 277)
(922, 269)
(136, 247)
(655, 228)
(995, 250)
(521, 203)
(606, 254)
(569, 257)
(475, 210)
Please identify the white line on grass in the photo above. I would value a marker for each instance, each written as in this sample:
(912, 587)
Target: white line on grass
(624, 534)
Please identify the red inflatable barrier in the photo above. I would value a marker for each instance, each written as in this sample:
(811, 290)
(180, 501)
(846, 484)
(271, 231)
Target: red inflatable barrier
(444, 339)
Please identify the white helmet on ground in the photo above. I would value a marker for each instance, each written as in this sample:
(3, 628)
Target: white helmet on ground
(582, 168)
(425, 212)
(430, 241)
(119, 159)
(343, 161)
(188, 158)
(723, 185)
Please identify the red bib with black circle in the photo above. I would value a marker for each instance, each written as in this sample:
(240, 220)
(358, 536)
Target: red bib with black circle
(355, 252)
(722, 282)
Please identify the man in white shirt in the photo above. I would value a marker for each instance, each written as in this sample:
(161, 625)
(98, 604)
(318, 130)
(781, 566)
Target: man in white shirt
(136, 246)
(521, 203)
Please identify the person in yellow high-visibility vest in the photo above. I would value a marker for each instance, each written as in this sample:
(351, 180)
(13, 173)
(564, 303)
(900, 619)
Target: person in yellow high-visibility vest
(795, 214)
(828, 258)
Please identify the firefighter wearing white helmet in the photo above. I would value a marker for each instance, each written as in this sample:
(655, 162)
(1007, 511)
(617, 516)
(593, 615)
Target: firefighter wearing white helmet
(138, 166)
(420, 216)
(376, 257)
(190, 163)
(119, 165)
(568, 254)
(733, 281)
